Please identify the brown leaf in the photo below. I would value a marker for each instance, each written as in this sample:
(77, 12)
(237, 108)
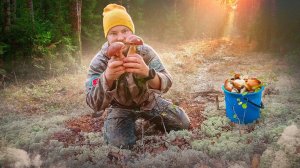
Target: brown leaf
(115, 156)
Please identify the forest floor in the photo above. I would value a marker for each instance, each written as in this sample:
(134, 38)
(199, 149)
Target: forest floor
(46, 123)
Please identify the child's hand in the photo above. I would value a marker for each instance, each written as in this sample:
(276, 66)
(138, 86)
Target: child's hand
(114, 70)
(135, 63)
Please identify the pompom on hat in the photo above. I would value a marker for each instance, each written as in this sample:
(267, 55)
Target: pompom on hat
(115, 15)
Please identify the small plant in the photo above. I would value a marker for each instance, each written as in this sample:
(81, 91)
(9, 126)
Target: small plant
(244, 106)
(214, 126)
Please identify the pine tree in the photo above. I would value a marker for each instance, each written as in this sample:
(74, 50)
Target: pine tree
(76, 26)
(31, 10)
(7, 20)
(13, 11)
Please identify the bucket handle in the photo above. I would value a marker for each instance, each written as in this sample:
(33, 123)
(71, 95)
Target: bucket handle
(254, 104)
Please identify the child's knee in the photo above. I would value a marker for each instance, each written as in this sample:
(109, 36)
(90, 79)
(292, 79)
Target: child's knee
(120, 132)
(184, 119)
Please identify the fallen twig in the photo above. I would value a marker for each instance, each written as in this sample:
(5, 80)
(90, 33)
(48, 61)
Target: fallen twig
(162, 120)
(217, 102)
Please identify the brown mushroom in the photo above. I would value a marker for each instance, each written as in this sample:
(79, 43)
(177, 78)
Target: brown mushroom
(238, 83)
(228, 85)
(115, 49)
(252, 84)
(133, 41)
(237, 76)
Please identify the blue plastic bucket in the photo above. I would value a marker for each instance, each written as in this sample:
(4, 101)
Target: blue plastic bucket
(239, 113)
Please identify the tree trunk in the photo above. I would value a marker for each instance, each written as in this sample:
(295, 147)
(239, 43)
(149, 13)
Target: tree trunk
(45, 8)
(7, 21)
(30, 7)
(76, 26)
(13, 11)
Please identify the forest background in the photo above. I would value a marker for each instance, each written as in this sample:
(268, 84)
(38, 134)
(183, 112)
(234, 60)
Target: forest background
(45, 37)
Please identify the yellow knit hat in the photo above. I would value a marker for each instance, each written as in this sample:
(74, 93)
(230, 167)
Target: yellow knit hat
(114, 15)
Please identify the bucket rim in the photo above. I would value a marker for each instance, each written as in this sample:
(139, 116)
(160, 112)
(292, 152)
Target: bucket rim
(249, 93)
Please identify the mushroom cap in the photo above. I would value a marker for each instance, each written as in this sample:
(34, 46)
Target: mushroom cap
(228, 85)
(238, 83)
(134, 40)
(252, 84)
(114, 49)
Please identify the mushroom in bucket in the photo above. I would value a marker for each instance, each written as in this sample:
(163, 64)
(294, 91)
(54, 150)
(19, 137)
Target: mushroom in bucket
(243, 98)
(242, 84)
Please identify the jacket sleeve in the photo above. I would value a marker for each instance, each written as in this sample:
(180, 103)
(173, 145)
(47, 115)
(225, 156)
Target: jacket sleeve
(98, 95)
(153, 61)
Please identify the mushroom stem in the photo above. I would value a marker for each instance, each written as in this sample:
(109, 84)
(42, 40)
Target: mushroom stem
(132, 49)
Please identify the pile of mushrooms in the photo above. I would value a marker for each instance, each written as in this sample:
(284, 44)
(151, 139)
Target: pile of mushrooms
(117, 49)
(241, 84)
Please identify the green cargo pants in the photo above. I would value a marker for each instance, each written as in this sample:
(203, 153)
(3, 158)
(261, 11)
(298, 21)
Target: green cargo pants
(119, 126)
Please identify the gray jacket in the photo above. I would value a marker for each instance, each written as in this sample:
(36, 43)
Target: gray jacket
(125, 91)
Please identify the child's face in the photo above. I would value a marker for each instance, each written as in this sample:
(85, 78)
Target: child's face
(118, 33)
